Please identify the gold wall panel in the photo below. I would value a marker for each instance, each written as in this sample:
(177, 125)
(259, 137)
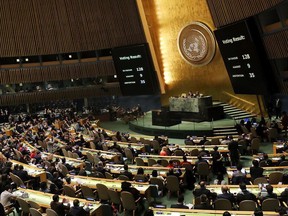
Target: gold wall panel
(165, 19)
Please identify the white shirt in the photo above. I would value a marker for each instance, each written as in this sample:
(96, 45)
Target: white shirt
(5, 198)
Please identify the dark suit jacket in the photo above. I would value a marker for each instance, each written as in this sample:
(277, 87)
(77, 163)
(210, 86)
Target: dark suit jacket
(256, 172)
(179, 206)
(59, 208)
(128, 174)
(77, 211)
(203, 206)
(228, 196)
(199, 191)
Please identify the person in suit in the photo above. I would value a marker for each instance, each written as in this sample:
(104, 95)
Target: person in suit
(238, 175)
(226, 194)
(59, 207)
(269, 194)
(76, 210)
(255, 170)
(204, 203)
(180, 203)
(202, 190)
(233, 151)
(244, 194)
(126, 172)
(22, 174)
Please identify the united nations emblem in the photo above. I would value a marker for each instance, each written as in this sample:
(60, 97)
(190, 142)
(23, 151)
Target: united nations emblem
(196, 44)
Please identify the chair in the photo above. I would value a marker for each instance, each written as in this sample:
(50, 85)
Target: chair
(108, 175)
(164, 162)
(194, 152)
(215, 141)
(69, 191)
(156, 146)
(172, 185)
(178, 153)
(151, 161)
(272, 134)
(18, 181)
(64, 170)
(260, 180)
(98, 174)
(34, 205)
(139, 161)
(255, 145)
(188, 166)
(152, 194)
(114, 198)
(24, 206)
(129, 155)
(247, 205)
(51, 212)
(284, 163)
(102, 192)
(128, 202)
(75, 155)
(92, 145)
(203, 170)
(140, 178)
(275, 177)
(270, 204)
(35, 212)
(105, 147)
(87, 192)
(90, 158)
(104, 209)
(208, 143)
(222, 204)
(263, 163)
(65, 153)
(159, 182)
(114, 138)
(189, 142)
(123, 177)
(70, 154)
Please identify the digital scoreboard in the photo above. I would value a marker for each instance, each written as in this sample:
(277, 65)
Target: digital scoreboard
(244, 58)
(135, 70)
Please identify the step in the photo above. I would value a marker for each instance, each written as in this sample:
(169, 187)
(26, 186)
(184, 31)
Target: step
(229, 133)
(223, 130)
(243, 117)
(236, 112)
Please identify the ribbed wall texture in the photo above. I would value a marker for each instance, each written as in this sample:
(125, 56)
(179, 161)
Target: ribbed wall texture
(35, 27)
(225, 12)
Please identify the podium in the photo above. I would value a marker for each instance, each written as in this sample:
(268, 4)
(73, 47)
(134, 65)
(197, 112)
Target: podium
(164, 117)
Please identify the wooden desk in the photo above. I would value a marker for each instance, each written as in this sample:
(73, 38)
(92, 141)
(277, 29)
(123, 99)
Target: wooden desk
(76, 163)
(267, 171)
(136, 146)
(112, 156)
(202, 212)
(191, 159)
(44, 199)
(278, 145)
(118, 168)
(33, 171)
(273, 157)
(278, 189)
(186, 148)
(110, 183)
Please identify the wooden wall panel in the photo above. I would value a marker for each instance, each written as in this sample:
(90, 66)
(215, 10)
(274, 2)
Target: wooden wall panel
(73, 93)
(276, 44)
(61, 72)
(37, 27)
(225, 12)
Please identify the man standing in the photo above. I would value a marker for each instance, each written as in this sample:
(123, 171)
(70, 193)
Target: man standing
(233, 151)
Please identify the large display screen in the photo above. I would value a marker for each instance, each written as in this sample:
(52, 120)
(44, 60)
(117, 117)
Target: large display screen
(135, 70)
(245, 61)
